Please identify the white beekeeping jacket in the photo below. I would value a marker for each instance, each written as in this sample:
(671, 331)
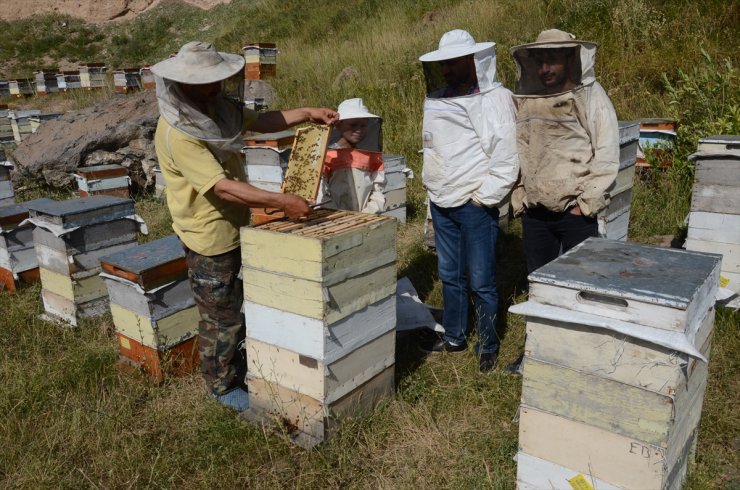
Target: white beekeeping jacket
(470, 141)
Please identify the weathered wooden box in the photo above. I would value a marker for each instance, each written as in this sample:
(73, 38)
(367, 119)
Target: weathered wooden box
(17, 255)
(615, 217)
(330, 265)
(396, 174)
(714, 221)
(324, 381)
(75, 213)
(178, 360)
(602, 455)
(7, 193)
(618, 337)
(307, 420)
(667, 289)
(110, 180)
(150, 297)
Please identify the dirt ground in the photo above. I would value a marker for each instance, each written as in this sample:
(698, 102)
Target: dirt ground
(94, 11)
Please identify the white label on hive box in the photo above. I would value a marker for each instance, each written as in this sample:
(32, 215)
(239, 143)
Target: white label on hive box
(124, 342)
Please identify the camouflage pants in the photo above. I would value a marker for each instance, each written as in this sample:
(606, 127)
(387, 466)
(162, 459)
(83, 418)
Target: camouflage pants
(218, 294)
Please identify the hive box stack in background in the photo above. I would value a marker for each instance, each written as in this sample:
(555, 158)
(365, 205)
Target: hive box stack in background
(615, 218)
(20, 121)
(17, 255)
(6, 128)
(7, 194)
(714, 222)
(615, 366)
(396, 173)
(153, 307)
(46, 82)
(658, 136)
(126, 80)
(266, 160)
(160, 185)
(109, 180)
(92, 75)
(147, 78)
(260, 61)
(69, 239)
(320, 312)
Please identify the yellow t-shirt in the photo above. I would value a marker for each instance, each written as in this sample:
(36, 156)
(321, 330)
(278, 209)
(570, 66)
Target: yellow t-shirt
(205, 224)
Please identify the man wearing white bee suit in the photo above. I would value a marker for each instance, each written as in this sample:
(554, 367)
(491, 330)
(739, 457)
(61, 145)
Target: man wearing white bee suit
(470, 165)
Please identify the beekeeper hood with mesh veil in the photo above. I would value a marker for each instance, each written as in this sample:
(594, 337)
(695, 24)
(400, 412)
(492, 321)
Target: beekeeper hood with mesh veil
(567, 133)
(468, 131)
(218, 121)
(583, 56)
(353, 173)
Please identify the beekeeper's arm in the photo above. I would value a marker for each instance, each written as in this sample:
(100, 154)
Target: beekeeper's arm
(604, 131)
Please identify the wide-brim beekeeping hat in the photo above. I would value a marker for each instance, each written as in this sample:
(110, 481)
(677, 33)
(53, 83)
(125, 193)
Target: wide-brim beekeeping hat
(354, 109)
(198, 63)
(455, 44)
(551, 39)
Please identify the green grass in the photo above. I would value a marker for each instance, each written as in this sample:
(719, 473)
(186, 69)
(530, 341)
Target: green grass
(72, 419)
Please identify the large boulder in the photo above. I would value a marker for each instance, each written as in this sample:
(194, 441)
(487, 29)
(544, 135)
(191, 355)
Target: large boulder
(118, 131)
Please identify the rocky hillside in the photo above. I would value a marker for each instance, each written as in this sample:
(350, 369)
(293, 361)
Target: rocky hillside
(88, 10)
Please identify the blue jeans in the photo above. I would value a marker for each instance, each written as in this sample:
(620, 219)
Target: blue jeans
(465, 237)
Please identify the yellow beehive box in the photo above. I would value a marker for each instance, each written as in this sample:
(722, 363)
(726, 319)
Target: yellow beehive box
(325, 267)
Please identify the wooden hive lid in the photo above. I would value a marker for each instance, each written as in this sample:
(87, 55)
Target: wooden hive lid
(15, 213)
(279, 139)
(661, 276)
(110, 170)
(83, 212)
(149, 265)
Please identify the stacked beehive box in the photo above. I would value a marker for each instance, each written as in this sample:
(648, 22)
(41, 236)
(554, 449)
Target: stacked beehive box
(160, 185)
(92, 75)
(147, 78)
(657, 136)
(109, 180)
(69, 238)
(17, 255)
(260, 61)
(615, 366)
(7, 194)
(69, 80)
(320, 315)
(153, 308)
(126, 80)
(4, 89)
(20, 122)
(46, 82)
(615, 218)
(6, 128)
(266, 160)
(714, 221)
(396, 173)
(22, 87)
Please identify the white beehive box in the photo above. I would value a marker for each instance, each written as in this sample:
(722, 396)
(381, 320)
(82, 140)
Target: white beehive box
(714, 221)
(615, 362)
